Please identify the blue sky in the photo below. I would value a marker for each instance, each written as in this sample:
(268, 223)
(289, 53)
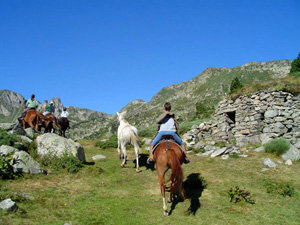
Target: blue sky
(101, 55)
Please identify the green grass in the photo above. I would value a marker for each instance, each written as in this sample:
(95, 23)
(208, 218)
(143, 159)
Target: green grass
(104, 193)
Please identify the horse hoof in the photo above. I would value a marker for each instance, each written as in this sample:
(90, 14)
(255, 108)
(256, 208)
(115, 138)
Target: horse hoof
(138, 171)
(122, 166)
(166, 213)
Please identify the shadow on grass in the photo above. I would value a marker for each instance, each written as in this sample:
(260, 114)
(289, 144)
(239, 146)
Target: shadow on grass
(143, 162)
(194, 186)
(89, 163)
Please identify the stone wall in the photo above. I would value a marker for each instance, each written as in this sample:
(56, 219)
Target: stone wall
(252, 119)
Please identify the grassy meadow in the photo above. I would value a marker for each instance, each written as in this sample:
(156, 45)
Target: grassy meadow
(104, 193)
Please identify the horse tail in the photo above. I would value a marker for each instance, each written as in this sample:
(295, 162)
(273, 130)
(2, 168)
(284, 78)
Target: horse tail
(177, 174)
(135, 140)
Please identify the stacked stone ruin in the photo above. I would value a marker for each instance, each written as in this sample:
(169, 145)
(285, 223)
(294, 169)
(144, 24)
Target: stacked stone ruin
(252, 119)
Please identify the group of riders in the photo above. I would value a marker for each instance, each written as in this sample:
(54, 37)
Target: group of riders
(48, 108)
(166, 125)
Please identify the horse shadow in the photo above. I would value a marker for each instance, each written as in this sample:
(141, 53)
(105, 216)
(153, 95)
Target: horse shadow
(143, 162)
(193, 186)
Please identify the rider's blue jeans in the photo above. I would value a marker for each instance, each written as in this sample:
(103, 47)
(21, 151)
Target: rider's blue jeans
(157, 138)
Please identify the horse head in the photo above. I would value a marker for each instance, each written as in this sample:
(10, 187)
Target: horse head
(120, 117)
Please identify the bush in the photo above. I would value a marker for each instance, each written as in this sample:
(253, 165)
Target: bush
(281, 189)
(112, 142)
(295, 74)
(70, 163)
(235, 85)
(295, 66)
(7, 139)
(236, 195)
(6, 168)
(277, 146)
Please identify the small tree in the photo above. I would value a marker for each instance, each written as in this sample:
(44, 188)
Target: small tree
(235, 85)
(295, 67)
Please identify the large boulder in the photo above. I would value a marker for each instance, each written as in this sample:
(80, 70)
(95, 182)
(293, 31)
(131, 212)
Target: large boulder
(23, 161)
(26, 164)
(53, 145)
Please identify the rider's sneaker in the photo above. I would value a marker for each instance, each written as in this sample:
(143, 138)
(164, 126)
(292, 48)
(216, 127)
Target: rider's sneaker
(186, 161)
(150, 160)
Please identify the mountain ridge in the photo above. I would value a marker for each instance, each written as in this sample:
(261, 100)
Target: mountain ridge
(207, 88)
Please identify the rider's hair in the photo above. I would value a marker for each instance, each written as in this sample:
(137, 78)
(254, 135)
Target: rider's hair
(167, 106)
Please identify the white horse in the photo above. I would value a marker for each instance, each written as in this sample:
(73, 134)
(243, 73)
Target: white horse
(127, 134)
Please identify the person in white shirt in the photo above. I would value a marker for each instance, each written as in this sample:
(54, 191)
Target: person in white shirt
(64, 113)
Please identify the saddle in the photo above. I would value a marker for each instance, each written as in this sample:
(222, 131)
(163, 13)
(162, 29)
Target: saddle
(166, 138)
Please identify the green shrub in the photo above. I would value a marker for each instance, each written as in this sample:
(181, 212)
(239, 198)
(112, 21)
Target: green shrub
(295, 65)
(235, 85)
(69, 163)
(236, 195)
(281, 189)
(277, 146)
(7, 139)
(6, 168)
(112, 142)
(295, 74)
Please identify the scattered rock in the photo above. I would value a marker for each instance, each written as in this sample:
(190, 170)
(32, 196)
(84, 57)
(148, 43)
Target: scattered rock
(97, 157)
(8, 205)
(218, 152)
(288, 162)
(260, 149)
(268, 162)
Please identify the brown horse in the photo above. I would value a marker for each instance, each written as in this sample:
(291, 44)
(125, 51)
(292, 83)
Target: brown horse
(49, 122)
(168, 154)
(32, 119)
(63, 124)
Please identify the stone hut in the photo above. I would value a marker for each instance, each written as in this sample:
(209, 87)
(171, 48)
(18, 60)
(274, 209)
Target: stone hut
(252, 119)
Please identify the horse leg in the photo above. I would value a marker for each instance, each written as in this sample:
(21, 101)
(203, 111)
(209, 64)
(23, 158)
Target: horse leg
(119, 151)
(162, 190)
(123, 146)
(137, 158)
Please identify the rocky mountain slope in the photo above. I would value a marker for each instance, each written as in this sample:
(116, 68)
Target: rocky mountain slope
(208, 88)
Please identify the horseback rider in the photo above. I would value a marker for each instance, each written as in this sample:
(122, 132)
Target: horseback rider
(52, 107)
(167, 125)
(46, 108)
(64, 114)
(30, 104)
